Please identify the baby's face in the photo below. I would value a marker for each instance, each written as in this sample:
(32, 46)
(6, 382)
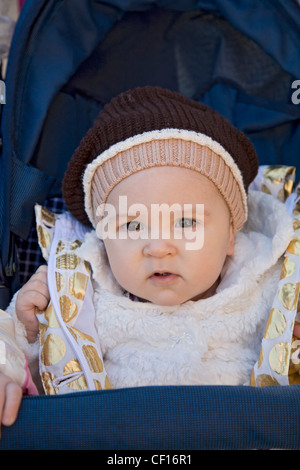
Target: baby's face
(173, 253)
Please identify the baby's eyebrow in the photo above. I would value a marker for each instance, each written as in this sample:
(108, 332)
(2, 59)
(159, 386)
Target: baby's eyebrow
(128, 216)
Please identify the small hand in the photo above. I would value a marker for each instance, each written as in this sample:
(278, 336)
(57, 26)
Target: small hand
(33, 295)
(10, 400)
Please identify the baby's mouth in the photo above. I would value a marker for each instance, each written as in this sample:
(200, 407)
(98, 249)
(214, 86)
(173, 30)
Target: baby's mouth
(163, 277)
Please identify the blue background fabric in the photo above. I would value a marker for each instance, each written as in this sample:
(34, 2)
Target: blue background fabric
(160, 418)
(67, 59)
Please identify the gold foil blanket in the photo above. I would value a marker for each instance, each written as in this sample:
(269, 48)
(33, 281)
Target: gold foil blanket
(70, 353)
(279, 359)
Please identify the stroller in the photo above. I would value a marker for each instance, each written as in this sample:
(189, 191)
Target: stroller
(67, 59)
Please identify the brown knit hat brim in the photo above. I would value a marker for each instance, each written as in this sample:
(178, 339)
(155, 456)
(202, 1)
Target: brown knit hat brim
(168, 147)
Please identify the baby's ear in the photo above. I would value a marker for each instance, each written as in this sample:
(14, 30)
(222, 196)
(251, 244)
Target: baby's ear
(230, 249)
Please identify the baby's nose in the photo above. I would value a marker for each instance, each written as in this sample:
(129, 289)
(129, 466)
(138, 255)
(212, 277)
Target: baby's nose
(159, 248)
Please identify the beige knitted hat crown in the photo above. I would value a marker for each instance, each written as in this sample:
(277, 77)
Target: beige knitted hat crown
(149, 127)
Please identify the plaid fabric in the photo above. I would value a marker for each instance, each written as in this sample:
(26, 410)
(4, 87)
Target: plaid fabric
(29, 253)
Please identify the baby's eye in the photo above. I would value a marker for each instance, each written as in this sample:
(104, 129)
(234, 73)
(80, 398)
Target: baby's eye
(185, 222)
(134, 226)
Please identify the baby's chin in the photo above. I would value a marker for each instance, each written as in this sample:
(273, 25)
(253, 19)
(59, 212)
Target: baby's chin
(171, 298)
(165, 300)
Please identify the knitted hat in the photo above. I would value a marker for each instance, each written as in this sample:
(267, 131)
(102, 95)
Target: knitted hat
(148, 127)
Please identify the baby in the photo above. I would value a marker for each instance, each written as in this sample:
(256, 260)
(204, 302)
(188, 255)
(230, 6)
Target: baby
(185, 263)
